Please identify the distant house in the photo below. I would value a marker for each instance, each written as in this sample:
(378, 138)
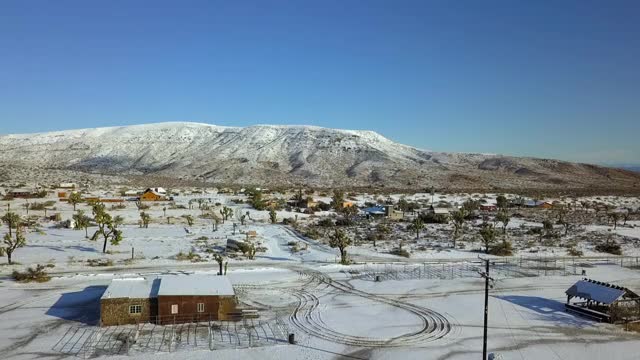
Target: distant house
(596, 299)
(546, 205)
(383, 211)
(153, 195)
(532, 203)
(375, 211)
(22, 194)
(392, 213)
(67, 185)
(488, 207)
(167, 300)
(438, 210)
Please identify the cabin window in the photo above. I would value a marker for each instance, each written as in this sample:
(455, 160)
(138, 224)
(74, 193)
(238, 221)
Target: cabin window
(174, 308)
(200, 307)
(135, 309)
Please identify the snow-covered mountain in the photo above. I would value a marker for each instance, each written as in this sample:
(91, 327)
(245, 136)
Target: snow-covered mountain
(288, 155)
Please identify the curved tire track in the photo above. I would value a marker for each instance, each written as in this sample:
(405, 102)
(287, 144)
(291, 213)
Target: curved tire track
(307, 318)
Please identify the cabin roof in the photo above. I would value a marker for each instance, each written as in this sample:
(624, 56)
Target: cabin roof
(597, 291)
(133, 288)
(195, 285)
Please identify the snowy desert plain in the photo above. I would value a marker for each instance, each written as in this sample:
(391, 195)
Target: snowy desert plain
(403, 293)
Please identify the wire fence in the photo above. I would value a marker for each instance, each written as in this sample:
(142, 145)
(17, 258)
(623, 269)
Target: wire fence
(507, 267)
(92, 341)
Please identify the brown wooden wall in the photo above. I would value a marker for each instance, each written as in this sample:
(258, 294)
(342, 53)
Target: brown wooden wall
(215, 308)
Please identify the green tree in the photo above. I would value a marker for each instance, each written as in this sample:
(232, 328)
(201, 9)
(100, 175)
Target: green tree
(75, 198)
(417, 225)
(337, 201)
(488, 234)
(501, 202)
(341, 241)
(12, 220)
(503, 217)
(145, 219)
(547, 226)
(11, 244)
(82, 222)
(273, 217)
(220, 260)
(256, 200)
(226, 212)
(107, 226)
(458, 219)
(189, 219)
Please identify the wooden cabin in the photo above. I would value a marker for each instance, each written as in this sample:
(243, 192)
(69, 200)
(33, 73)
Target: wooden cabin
(152, 195)
(167, 300)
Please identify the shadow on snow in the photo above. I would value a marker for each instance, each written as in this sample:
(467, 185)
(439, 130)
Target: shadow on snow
(81, 306)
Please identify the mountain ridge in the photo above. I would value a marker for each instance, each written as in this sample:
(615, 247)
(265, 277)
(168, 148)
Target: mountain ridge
(288, 155)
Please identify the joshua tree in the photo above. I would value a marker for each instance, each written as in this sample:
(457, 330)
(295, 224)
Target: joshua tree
(226, 212)
(243, 219)
(107, 226)
(220, 260)
(547, 226)
(82, 222)
(501, 202)
(11, 244)
(164, 211)
(74, 199)
(458, 219)
(614, 217)
(341, 241)
(417, 226)
(189, 219)
(565, 223)
(145, 219)
(337, 201)
(273, 216)
(504, 218)
(12, 220)
(488, 234)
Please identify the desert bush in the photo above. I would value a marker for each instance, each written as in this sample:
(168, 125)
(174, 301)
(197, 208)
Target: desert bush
(610, 247)
(37, 206)
(313, 233)
(99, 262)
(502, 248)
(430, 218)
(344, 222)
(572, 251)
(400, 252)
(32, 275)
(326, 222)
(191, 256)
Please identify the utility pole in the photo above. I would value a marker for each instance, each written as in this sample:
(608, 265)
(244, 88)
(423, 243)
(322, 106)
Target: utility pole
(486, 277)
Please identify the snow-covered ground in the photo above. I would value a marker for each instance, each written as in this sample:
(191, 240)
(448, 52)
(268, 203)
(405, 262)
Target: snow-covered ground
(334, 313)
(527, 317)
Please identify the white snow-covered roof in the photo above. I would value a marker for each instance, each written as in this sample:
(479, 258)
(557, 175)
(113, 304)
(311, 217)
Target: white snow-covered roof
(195, 285)
(440, 210)
(599, 292)
(133, 288)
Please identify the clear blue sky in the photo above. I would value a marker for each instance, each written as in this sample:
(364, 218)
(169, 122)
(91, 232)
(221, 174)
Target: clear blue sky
(557, 79)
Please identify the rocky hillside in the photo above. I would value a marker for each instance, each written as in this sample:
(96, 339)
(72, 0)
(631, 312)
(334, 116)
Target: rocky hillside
(283, 155)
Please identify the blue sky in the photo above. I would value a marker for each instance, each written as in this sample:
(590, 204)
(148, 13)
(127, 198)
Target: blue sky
(555, 79)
